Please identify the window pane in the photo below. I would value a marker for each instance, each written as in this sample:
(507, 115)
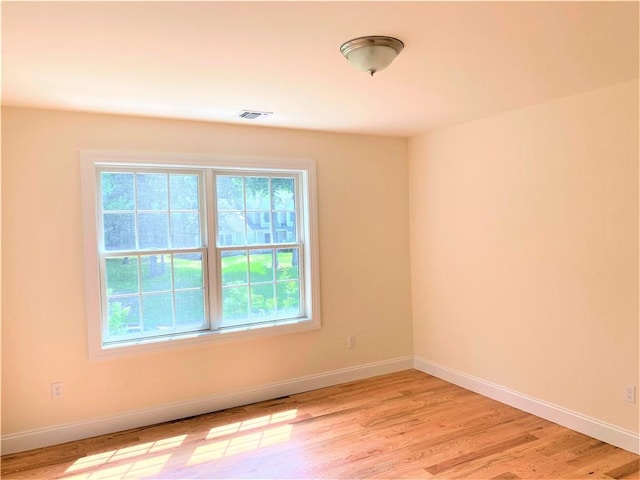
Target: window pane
(283, 193)
(258, 228)
(287, 266)
(235, 305)
(261, 266)
(230, 193)
(284, 227)
(190, 309)
(122, 275)
(156, 235)
(152, 191)
(257, 193)
(184, 192)
(185, 229)
(234, 268)
(187, 268)
(231, 229)
(156, 273)
(262, 301)
(288, 297)
(119, 231)
(117, 191)
(157, 312)
(153, 230)
(123, 316)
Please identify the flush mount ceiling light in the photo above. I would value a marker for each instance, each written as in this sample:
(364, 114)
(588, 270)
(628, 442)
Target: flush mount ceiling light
(371, 54)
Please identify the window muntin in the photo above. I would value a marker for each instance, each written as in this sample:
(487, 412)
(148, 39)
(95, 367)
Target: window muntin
(256, 210)
(260, 283)
(152, 257)
(151, 210)
(153, 295)
(145, 223)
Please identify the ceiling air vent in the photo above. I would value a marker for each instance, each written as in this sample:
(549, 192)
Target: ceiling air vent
(253, 114)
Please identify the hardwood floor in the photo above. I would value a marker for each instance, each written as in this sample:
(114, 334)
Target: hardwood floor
(402, 425)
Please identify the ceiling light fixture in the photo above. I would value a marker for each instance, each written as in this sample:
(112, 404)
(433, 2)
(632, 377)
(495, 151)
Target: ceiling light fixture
(371, 54)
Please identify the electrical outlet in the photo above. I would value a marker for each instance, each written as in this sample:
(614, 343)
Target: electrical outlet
(56, 390)
(351, 342)
(630, 394)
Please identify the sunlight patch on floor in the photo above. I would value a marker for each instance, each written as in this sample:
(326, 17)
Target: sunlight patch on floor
(241, 444)
(252, 423)
(103, 458)
(97, 466)
(148, 467)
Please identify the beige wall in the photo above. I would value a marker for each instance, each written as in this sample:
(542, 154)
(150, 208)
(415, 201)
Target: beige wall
(363, 205)
(524, 250)
(524, 259)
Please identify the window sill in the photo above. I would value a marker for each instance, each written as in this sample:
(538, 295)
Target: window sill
(185, 340)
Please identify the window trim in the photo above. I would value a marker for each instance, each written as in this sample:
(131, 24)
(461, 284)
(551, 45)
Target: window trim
(90, 159)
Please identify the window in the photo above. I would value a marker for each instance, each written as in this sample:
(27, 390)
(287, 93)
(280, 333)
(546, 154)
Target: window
(197, 249)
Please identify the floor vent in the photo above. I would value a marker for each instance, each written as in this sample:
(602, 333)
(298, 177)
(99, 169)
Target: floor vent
(253, 114)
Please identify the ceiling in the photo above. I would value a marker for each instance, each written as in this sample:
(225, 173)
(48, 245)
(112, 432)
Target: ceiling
(209, 60)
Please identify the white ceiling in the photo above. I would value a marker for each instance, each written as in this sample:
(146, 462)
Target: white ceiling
(209, 60)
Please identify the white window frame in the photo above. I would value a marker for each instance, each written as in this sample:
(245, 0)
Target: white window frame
(310, 274)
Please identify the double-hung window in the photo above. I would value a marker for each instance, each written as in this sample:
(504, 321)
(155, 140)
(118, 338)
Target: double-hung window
(195, 249)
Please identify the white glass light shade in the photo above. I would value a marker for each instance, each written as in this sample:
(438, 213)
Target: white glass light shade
(371, 54)
(372, 59)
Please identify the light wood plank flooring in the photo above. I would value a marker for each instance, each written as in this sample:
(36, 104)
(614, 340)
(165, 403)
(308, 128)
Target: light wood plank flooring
(402, 425)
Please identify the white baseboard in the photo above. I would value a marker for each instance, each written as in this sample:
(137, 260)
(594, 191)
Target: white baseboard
(592, 427)
(43, 437)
